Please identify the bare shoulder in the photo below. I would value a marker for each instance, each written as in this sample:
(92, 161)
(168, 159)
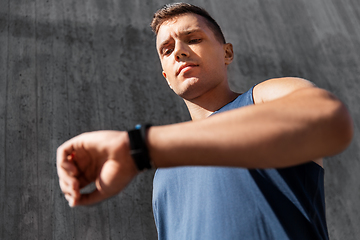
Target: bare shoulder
(278, 87)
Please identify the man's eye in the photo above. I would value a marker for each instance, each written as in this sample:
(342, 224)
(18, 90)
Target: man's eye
(167, 51)
(197, 40)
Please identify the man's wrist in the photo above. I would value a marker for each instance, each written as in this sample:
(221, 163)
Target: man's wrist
(138, 146)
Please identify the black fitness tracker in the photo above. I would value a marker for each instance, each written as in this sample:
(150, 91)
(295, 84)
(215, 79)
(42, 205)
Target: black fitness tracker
(138, 148)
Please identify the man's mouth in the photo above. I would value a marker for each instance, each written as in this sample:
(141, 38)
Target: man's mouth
(185, 67)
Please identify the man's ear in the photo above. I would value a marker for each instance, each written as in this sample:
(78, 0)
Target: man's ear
(229, 53)
(164, 75)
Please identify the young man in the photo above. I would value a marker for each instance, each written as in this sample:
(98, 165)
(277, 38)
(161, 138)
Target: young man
(253, 160)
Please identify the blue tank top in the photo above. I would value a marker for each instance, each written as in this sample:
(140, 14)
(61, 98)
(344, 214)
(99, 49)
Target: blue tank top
(236, 203)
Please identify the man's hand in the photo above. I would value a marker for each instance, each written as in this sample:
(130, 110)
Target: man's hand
(102, 157)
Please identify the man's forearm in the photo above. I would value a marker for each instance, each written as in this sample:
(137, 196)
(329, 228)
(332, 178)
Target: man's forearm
(305, 125)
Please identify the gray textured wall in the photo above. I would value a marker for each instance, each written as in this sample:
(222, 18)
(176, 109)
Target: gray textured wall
(71, 66)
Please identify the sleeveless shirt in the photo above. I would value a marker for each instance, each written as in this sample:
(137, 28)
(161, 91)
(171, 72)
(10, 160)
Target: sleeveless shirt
(236, 203)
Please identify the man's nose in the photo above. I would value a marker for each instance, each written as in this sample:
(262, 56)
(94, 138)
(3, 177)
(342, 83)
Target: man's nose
(181, 51)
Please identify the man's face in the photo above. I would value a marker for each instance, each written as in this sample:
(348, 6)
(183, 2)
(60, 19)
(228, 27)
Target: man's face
(193, 60)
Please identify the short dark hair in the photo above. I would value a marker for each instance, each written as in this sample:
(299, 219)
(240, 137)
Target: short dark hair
(169, 11)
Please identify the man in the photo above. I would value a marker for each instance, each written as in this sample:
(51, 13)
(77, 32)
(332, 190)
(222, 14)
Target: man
(253, 168)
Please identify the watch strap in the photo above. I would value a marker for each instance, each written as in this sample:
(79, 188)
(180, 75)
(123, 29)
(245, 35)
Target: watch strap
(138, 147)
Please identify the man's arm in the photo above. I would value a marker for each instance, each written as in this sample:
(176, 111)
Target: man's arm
(279, 87)
(304, 124)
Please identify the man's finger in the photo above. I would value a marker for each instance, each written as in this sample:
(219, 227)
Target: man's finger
(66, 152)
(69, 168)
(90, 198)
(70, 199)
(70, 188)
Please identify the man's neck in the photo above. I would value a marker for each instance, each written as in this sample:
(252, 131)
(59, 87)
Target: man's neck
(205, 105)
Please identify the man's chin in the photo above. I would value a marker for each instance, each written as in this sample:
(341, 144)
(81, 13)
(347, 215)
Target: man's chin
(188, 88)
(189, 93)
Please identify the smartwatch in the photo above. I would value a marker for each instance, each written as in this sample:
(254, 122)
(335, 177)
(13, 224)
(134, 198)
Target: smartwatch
(138, 148)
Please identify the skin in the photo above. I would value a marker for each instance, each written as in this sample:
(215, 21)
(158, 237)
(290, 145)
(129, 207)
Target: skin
(292, 121)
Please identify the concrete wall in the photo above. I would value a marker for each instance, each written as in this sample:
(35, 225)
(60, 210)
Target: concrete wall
(71, 66)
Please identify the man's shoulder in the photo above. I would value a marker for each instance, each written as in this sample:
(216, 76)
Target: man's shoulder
(275, 88)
